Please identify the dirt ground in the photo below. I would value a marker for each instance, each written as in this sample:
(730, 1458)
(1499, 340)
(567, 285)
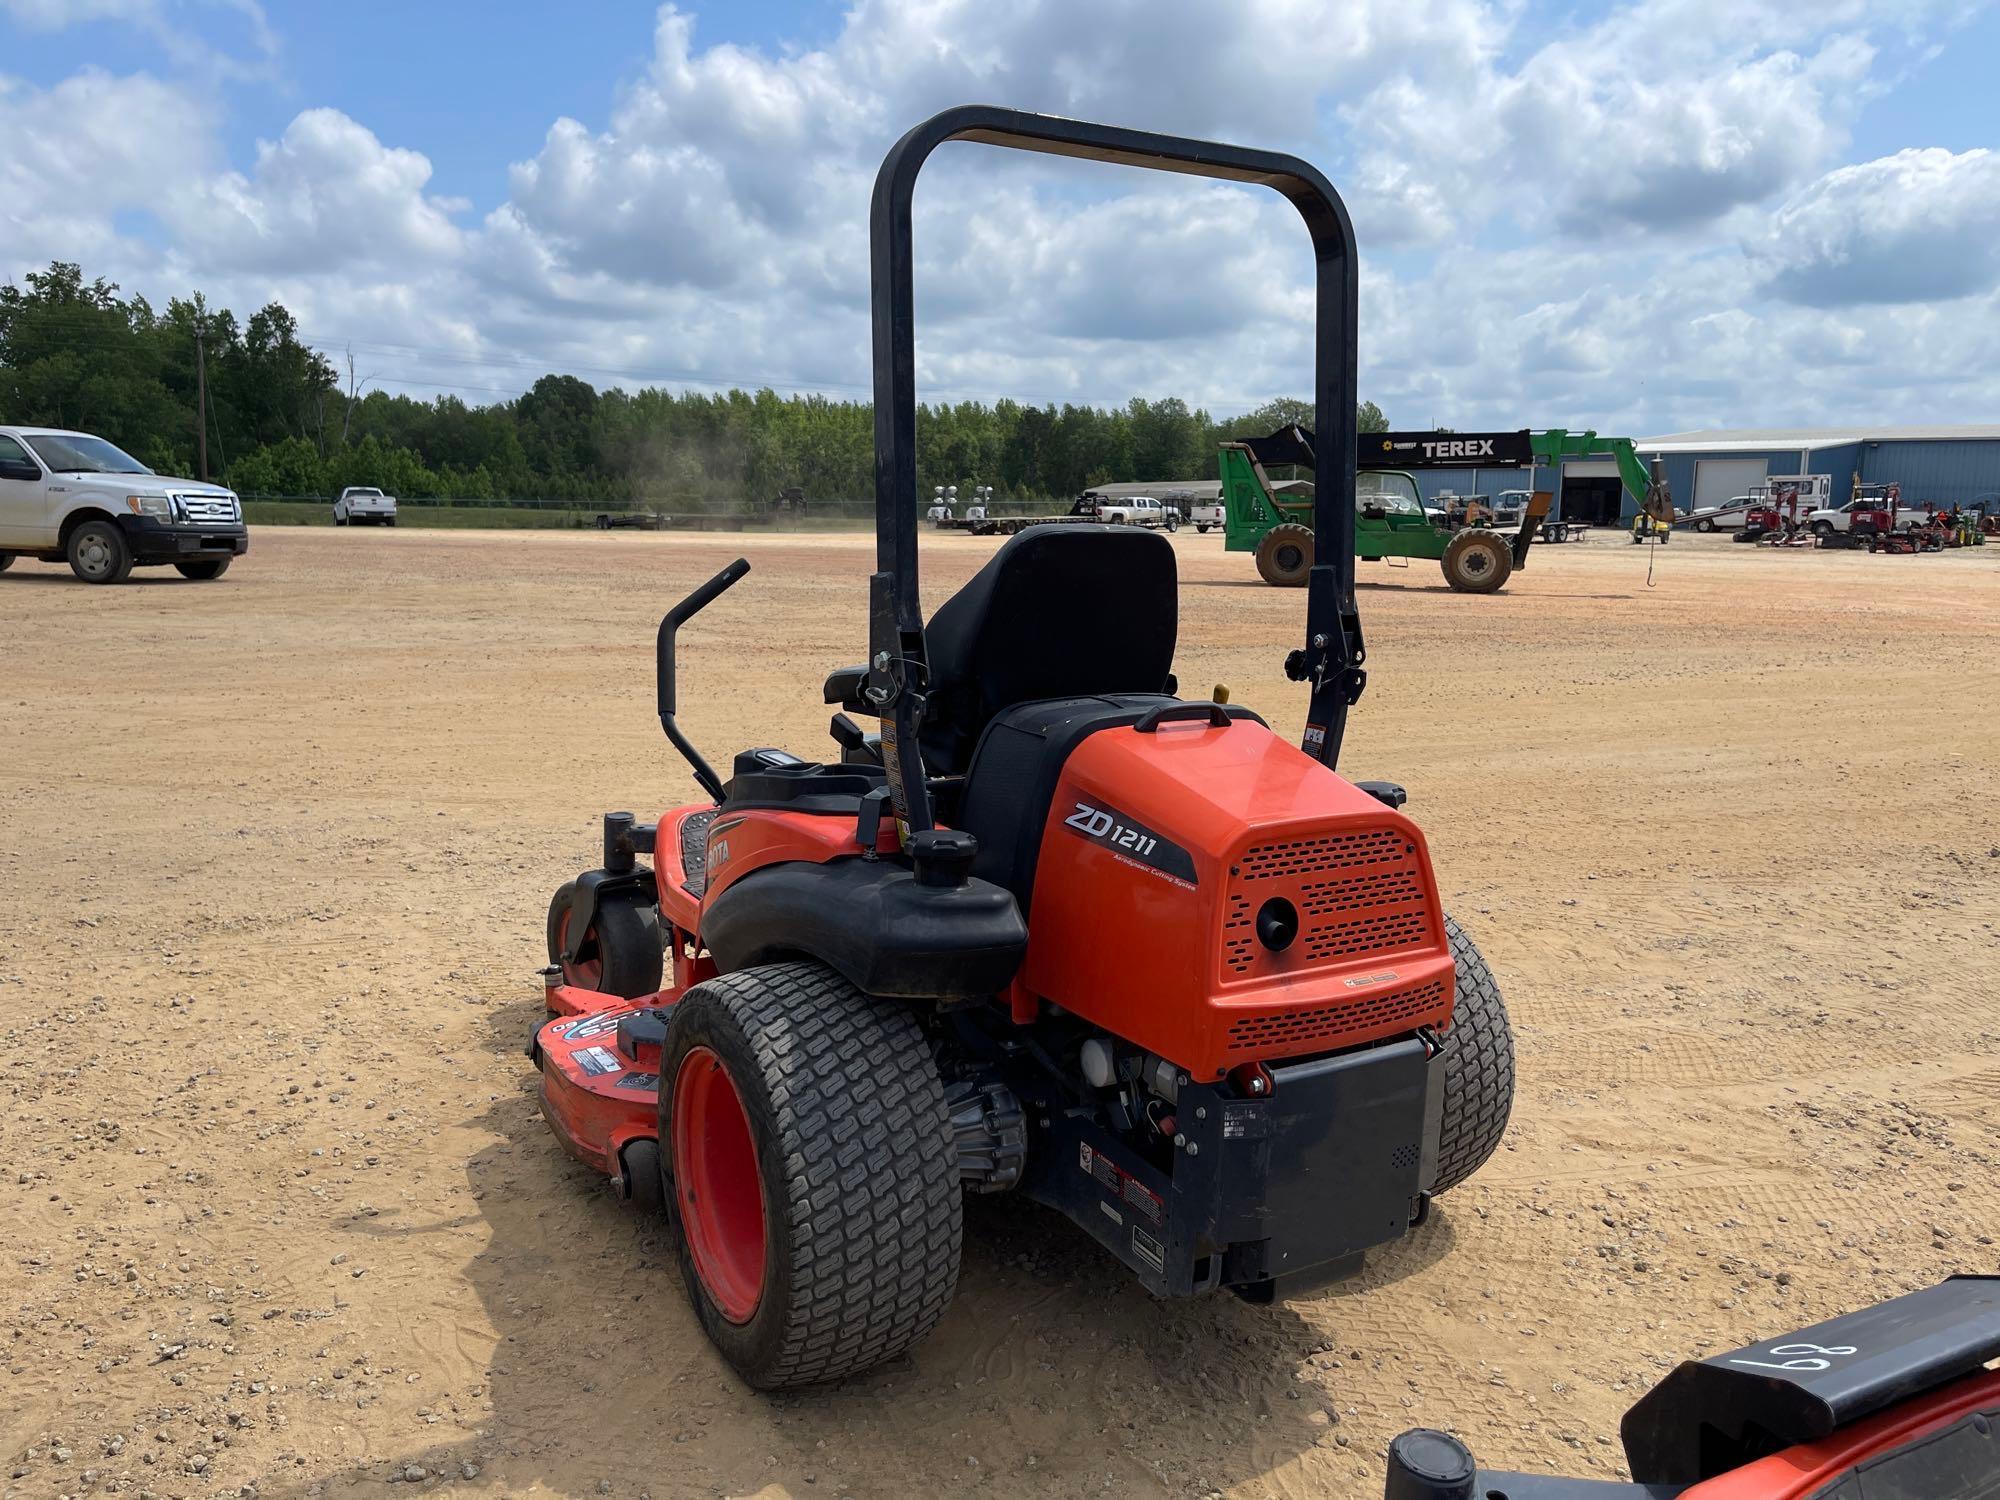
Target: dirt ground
(283, 1219)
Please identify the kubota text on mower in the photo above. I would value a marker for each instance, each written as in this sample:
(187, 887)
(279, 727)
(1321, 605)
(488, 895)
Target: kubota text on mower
(1051, 930)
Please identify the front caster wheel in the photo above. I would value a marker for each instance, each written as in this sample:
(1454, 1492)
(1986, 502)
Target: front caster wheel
(813, 1172)
(620, 953)
(640, 1181)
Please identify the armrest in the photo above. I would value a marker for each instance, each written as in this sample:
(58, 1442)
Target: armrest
(843, 686)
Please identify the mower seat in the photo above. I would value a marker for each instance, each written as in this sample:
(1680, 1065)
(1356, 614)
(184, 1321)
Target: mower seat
(1057, 612)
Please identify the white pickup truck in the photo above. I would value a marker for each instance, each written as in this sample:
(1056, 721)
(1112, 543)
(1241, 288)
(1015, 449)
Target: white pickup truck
(364, 505)
(71, 497)
(1136, 510)
(1860, 516)
(1207, 514)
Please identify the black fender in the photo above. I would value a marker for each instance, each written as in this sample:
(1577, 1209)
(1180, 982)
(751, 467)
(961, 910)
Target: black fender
(590, 889)
(874, 924)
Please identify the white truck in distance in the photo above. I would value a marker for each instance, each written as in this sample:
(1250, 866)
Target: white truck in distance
(1206, 514)
(363, 505)
(1857, 514)
(1733, 516)
(1137, 510)
(71, 497)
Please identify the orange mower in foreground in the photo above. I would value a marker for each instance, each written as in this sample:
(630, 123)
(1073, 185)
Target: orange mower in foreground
(1049, 930)
(1893, 1402)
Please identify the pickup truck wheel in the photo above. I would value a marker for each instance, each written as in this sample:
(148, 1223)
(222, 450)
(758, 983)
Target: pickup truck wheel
(340, 520)
(1704, 524)
(1285, 555)
(1200, 530)
(203, 572)
(97, 553)
(6, 561)
(1118, 518)
(1822, 529)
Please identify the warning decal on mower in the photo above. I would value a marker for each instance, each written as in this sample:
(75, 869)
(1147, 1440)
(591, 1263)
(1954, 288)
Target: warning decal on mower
(1132, 842)
(1128, 1189)
(647, 1081)
(593, 1025)
(596, 1060)
(1148, 1249)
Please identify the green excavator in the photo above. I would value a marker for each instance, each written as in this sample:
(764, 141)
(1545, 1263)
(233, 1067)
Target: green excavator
(1270, 519)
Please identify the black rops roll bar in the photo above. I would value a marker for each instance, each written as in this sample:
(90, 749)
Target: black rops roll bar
(663, 668)
(897, 674)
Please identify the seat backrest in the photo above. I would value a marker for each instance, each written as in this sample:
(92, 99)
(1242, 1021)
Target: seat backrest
(1059, 612)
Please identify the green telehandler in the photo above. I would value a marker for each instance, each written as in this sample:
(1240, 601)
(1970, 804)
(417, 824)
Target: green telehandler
(1389, 517)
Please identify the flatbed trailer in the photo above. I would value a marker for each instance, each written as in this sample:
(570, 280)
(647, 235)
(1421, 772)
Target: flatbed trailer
(1006, 525)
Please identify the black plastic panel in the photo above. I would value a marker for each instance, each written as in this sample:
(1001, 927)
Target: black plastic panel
(1713, 1415)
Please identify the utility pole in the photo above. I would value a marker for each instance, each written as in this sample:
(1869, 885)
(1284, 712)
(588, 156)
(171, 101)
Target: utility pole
(200, 402)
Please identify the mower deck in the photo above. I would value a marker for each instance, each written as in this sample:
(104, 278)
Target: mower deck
(600, 1063)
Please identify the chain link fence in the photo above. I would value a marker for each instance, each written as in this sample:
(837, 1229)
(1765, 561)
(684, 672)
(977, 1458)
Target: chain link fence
(545, 513)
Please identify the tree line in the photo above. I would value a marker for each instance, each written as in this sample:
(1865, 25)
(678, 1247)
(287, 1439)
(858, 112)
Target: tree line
(278, 419)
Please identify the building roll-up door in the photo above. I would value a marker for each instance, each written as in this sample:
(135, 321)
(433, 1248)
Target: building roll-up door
(1592, 494)
(1717, 481)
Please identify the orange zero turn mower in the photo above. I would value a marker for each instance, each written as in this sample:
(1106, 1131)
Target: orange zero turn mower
(1048, 929)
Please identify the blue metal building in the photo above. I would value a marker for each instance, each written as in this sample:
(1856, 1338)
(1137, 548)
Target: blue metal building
(1940, 465)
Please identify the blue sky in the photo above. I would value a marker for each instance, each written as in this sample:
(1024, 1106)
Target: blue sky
(1642, 216)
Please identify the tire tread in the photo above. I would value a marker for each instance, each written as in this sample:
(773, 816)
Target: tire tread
(870, 1171)
(1478, 1067)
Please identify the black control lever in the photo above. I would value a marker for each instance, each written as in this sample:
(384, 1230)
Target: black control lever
(672, 621)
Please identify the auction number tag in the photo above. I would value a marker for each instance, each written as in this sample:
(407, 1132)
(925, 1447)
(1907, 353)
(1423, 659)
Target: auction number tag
(1803, 1359)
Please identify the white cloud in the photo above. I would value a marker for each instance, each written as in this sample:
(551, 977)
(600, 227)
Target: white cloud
(180, 40)
(1664, 117)
(79, 151)
(325, 195)
(1561, 224)
(1919, 226)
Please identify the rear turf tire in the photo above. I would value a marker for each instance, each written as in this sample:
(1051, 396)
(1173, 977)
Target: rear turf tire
(1285, 556)
(1478, 1067)
(855, 1165)
(621, 952)
(203, 572)
(1477, 561)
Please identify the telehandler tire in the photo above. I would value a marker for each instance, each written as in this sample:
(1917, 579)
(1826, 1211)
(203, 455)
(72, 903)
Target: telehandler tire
(1285, 556)
(1477, 562)
(812, 1170)
(621, 952)
(1478, 1067)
